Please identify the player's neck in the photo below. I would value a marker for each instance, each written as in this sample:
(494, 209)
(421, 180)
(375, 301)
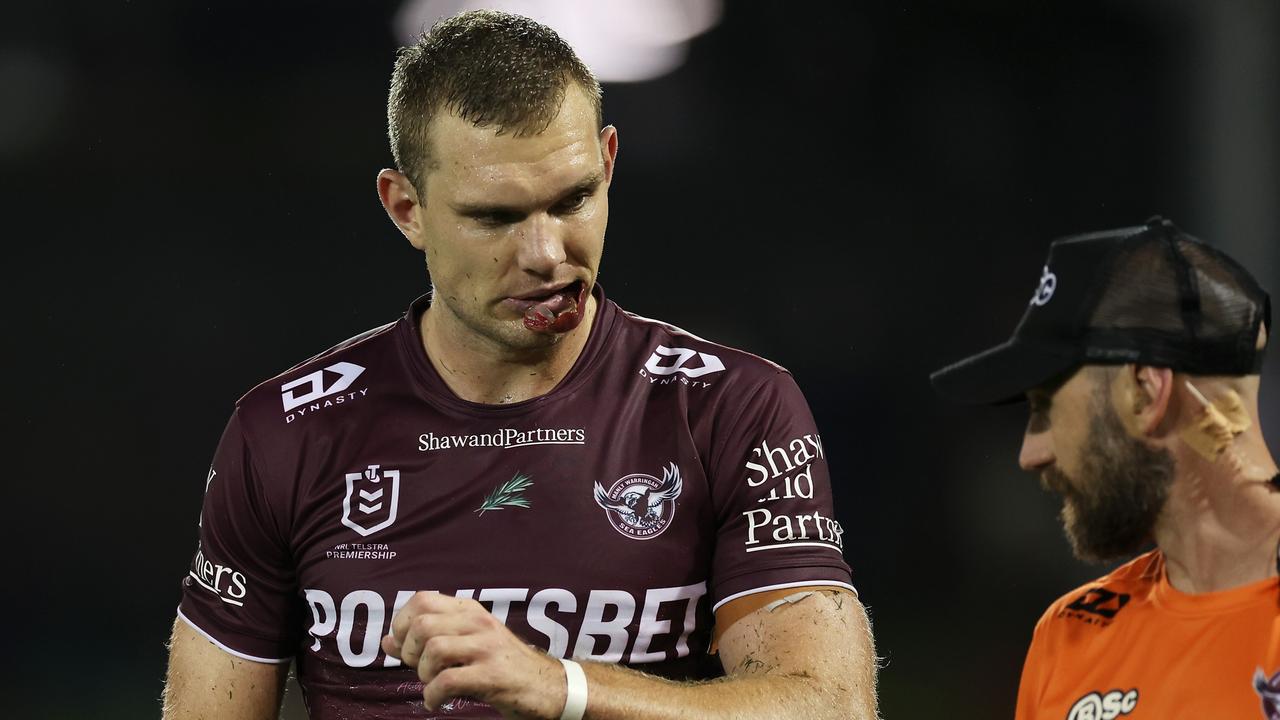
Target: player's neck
(481, 370)
(1221, 525)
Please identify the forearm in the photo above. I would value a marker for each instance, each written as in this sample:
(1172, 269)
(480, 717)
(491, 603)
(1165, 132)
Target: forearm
(616, 693)
(808, 657)
(811, 658)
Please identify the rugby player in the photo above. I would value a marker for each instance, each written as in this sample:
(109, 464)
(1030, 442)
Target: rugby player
(1140, 359)
(518, 500)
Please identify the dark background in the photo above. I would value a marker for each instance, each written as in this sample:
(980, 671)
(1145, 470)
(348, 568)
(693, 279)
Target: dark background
(860, 191)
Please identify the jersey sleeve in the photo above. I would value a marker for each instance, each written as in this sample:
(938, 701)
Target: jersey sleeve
(239, 592)
(772, 495)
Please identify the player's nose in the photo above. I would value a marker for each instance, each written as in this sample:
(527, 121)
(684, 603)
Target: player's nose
(1037, 450)
(541, 248)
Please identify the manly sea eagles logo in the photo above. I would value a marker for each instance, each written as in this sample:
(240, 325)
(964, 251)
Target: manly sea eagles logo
(640, 506)
(1269, 689)
(375, 500)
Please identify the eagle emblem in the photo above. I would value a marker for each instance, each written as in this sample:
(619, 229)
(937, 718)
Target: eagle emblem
(641, 506)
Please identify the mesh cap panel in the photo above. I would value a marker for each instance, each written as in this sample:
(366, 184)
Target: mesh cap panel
(1170, 300)
(1225, 308)
(1140, 291)
(1149, 295)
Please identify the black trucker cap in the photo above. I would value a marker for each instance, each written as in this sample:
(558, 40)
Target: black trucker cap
(1150, 295)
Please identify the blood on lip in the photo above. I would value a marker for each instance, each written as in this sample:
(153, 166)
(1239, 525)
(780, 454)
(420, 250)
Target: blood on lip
(541, 318)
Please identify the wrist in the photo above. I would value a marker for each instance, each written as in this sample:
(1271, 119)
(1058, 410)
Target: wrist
(575, 701)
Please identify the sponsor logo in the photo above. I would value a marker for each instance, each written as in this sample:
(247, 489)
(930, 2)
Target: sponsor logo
(1108, 706)
(452, 704)
(812, 529)
(1044, 293)
(1097, 606)
(227, 583)
(604, 625)
(1269, 690)
(669, 365)
(360, 551)
(320, 389)
(792, 461)
(508, 494)
(786, 469)
(641, 506)
(506, 438)
(375, 507)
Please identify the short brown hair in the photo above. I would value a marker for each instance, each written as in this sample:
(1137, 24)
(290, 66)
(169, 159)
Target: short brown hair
(488, 67)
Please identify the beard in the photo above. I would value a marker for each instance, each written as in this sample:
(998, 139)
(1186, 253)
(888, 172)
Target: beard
(1109, 512)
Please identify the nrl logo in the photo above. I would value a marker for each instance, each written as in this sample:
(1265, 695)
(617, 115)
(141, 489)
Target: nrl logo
(641, 506)
(374, 510)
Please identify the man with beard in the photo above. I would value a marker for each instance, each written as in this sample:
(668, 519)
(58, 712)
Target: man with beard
(1139, 357)
(518, 500)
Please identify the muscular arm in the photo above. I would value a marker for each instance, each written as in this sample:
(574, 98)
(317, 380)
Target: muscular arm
(207, 683)
(812, 659)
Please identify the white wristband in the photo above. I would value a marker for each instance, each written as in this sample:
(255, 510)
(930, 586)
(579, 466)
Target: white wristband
(575, 701)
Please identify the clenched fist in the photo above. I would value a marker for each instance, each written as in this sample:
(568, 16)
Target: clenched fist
(461, 650)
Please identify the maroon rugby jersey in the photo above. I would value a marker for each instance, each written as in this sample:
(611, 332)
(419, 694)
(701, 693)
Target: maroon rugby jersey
(664, 476)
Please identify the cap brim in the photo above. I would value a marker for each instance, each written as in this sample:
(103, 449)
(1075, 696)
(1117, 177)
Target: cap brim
(1003, 374)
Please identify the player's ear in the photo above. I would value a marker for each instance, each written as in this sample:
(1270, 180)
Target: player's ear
(609, 151)
(400, 199)
(1149, 391)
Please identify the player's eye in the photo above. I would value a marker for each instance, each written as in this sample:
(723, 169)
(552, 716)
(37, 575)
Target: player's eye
(573, 203)
(497, 218)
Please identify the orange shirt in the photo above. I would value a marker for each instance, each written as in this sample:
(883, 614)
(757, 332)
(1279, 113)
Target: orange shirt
(1129, 646)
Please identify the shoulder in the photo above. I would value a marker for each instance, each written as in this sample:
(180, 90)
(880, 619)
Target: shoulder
(730, 399)
(1098, 604)
(669, 355)
(339, 375)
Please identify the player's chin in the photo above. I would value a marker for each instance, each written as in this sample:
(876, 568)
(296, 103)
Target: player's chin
(514, 333)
